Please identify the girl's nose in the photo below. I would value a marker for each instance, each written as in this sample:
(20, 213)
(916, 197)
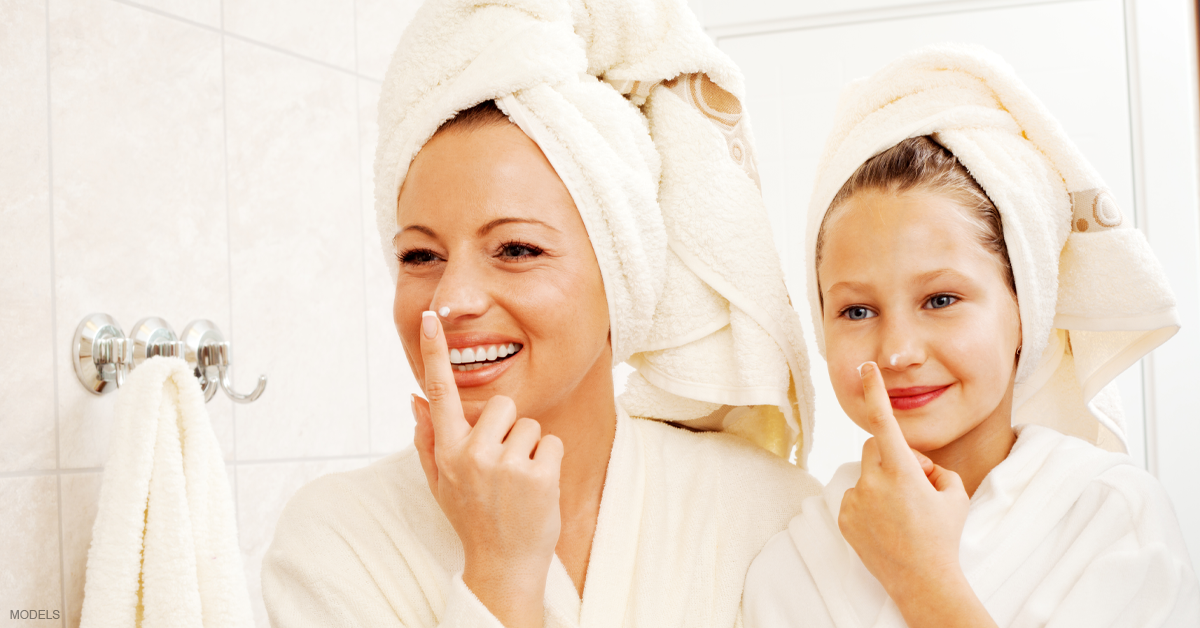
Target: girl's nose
(901, 348)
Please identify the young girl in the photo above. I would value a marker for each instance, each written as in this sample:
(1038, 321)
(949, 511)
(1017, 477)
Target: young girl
(975, 291)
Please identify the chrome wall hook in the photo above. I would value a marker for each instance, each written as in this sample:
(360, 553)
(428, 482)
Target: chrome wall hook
(153, 336)
(205, 346)
(101, 353)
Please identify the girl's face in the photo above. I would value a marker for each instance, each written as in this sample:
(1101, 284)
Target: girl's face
(907, 284)
(487, 229)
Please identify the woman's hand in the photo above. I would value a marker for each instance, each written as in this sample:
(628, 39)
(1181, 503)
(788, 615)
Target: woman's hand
(905, 518)
(496, 482)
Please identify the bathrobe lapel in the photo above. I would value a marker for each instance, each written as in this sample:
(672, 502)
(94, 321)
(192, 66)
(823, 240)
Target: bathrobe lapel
(610, 571)
(1021, 502)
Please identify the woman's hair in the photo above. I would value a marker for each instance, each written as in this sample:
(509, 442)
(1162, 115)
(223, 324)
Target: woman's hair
(481, 115)
(921, 164)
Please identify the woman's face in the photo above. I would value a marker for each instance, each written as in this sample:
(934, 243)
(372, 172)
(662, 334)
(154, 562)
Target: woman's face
(487, 229)
(907, 284)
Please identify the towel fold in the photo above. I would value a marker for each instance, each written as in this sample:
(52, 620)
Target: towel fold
(640, 114)
(164, 545)
(1093, 298)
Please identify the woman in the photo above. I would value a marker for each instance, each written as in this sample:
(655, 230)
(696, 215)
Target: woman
(559, 224)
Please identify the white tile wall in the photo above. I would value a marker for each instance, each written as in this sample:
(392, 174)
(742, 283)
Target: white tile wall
(190, 159)
(296, 248)
(322, 30)
(30, 577)
(26, 308)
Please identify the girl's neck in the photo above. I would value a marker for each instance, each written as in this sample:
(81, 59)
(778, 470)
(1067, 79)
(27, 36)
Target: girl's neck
(977, 452)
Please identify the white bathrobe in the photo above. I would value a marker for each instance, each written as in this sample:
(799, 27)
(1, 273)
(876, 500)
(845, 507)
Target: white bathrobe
(1061, 533)
(681, 517)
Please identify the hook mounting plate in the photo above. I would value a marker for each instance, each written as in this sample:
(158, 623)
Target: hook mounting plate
(92, 330)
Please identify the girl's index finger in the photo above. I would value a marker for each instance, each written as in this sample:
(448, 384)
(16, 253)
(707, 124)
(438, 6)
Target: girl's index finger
(880, 422)
(445, 408)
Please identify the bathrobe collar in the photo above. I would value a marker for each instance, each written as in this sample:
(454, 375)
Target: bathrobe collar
(609, 580)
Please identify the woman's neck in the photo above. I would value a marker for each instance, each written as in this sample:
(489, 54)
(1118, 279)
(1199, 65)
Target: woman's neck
(973, 455)
(586, 422)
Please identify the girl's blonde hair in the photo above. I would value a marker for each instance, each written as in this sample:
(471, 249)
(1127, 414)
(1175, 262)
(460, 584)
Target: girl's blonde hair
(921, 164)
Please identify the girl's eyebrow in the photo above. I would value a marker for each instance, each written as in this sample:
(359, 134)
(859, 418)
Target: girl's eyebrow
(940, 273)
(923, 278)
(851, 286)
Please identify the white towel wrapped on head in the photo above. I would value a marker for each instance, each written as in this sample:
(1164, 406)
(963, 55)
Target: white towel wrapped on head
(1093, 298)
(640, 115)
(164, 545)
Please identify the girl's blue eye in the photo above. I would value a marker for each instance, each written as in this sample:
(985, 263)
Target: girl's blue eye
(940, 301)
(857, 313)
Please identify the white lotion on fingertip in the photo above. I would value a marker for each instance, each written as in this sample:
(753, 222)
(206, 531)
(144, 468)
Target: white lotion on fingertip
(444, 312)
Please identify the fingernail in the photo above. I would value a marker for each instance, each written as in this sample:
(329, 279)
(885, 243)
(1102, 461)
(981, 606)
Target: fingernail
(429, 324)
(864, 369)
(412, 404)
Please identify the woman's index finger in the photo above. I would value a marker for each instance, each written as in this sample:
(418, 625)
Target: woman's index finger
(880, 420)
(445, 408)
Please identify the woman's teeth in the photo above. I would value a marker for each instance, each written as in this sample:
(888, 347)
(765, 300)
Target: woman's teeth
(475, 357)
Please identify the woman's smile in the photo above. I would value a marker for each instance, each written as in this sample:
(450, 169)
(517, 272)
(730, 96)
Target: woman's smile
(915, 397)
(480, 358)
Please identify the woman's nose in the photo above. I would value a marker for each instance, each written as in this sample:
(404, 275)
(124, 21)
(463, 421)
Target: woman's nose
(461, 293)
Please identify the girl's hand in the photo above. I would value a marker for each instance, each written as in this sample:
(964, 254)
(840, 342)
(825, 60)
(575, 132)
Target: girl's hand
(905, 518)
(496, 482)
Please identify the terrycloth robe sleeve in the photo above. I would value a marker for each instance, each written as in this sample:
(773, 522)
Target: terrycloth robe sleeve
(320, 575)
(1136, 572)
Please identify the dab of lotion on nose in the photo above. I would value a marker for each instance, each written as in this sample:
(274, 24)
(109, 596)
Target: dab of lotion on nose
(444, 312)
(892, 360)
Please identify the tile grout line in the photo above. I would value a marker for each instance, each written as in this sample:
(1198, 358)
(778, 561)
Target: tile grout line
(240, 463)
(228, 248)
(243, 38)
(62, 557)
(34, 473)
(229, 463)
(362, 240)
(863, 16)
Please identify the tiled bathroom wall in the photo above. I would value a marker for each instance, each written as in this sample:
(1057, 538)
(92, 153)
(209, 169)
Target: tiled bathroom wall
(190, 159)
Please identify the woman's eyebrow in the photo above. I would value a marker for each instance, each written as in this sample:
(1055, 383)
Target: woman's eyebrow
(422, 228)
(503, 221)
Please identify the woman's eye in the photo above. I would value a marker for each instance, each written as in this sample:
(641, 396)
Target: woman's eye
(857, 313)
(517, 250)
(940, 301)
(417, 257)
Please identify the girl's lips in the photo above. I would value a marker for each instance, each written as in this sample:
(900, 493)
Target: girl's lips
(915, 397)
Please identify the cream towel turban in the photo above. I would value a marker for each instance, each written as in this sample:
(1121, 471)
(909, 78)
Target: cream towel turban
(1093, 298)
(640, 114)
